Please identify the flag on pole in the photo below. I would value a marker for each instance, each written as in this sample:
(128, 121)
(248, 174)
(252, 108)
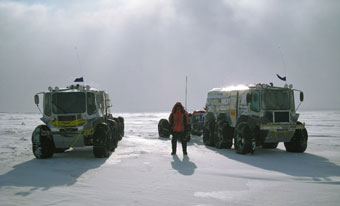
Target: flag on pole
(81, 79)
(282, 78)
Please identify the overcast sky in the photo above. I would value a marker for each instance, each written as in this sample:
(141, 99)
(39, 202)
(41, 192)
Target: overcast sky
(141, 51)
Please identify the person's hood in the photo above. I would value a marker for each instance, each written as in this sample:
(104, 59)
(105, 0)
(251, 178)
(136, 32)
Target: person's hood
(177, 104)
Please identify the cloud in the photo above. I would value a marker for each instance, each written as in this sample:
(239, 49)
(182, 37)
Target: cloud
(141, 52)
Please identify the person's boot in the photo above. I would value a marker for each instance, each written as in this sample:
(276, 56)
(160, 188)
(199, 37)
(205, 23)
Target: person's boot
(184, 147)
(173, 150)
(174, 146)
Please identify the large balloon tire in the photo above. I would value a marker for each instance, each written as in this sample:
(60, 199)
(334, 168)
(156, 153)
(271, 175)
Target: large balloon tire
(298, 143)
(206, 138)
(220, 134)
(114, 134)
(209, 129)
(243, 139)
(102, 136)
(121, 129)
(42, 144)
(164, 128)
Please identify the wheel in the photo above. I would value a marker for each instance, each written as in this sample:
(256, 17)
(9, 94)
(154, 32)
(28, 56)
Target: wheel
(42, 142)
(223, 132)
(298, 143)
(113, 125)
(243, 139)
(60, 150)
(220, 134)
(101, 138)
(223, 135)
(209, 130)
(270, 145)
(206, 138)
(222, 117)
(229, 135)
(187, 136)
(121, 128)
(196, 128)
(164, 128)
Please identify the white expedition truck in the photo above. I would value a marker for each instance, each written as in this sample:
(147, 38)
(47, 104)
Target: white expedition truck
(257, 115)
(76, 116)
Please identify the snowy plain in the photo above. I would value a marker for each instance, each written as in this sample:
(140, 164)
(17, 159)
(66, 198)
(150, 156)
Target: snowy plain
(142, 172)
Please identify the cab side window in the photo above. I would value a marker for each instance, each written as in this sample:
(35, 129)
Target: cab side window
(47, 104)
(100, 101)
(292, 101)
(91, 104)
(255, 101)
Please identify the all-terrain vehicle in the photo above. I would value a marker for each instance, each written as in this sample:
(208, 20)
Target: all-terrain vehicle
(257, 115)
(197, 122)
(76, 116)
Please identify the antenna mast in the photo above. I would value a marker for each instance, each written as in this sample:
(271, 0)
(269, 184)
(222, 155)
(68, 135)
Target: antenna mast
(186, 92)
(283, 62)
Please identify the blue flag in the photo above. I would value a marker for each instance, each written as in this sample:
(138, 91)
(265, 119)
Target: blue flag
(282, 78)
(81, 79)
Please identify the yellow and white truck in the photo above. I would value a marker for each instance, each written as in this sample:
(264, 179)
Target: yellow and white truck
(76, 116)
(254, 115)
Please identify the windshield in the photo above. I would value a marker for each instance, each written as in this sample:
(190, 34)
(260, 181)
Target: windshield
(276, 100)
(198, 118)
(72, 102)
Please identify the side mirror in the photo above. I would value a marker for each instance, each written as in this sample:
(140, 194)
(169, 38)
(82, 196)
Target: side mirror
(301, 96)
(36, 99)
(248, 98)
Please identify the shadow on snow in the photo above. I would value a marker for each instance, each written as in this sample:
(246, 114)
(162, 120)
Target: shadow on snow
(299, 165)
(62, 169)
(185, 167)
(317, 169)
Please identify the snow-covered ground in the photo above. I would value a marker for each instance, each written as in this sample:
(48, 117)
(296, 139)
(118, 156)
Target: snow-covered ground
(142, 172)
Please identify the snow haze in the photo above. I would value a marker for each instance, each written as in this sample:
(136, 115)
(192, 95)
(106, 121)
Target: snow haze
(141, 51)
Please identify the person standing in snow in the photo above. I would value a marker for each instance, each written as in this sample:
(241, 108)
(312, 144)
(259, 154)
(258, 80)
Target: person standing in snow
(179, 124)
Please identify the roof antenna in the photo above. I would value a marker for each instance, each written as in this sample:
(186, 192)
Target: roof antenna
(283, 62)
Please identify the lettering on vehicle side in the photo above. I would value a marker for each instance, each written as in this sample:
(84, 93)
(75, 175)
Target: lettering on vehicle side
(243, 108)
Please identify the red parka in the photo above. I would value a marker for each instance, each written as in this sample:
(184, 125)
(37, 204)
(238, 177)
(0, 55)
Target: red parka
(178, 119)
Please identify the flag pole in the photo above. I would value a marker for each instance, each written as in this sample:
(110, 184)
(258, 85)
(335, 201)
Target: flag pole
(284, 63)
(186, 92)
(80, 67)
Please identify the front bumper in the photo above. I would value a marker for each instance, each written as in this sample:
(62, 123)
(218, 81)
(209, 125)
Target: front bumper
(70, 137)
(282, 127)
(280, 132)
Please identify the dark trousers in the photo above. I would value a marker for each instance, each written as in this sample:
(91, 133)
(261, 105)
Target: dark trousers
(178, 136)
